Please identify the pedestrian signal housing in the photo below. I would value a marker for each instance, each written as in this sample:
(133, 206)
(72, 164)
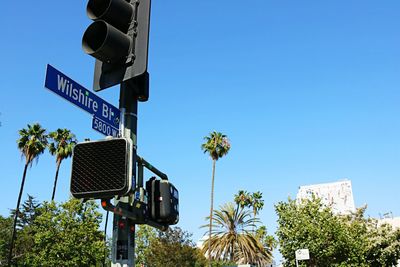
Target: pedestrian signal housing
(102, 169)
(163, 201)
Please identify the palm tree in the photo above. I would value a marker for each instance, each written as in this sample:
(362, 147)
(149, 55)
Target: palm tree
(268, 241)
(256, 202)
(232, 238)
(217, 145)
(32, 142)
(242, 199)
(62, 146)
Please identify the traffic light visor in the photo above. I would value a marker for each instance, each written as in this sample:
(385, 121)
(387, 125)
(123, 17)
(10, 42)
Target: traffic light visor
(106, 43)
(118, 13)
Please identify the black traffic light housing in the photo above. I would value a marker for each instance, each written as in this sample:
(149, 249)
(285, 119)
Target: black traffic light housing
(118, 39)
(163, 201)
(102, 169)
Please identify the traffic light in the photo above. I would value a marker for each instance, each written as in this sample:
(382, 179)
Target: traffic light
(118, 39)
(163, 201)
(102, 169)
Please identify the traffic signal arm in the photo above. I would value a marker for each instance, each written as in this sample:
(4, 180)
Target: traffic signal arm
(151, 168)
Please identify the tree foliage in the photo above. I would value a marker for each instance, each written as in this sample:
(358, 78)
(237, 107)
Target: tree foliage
(256, 202)
(216, 145)
(5, 238)
(24, 242)
(61, 146)
(233, 238)
(383, 247)
(32, 141)
(54, 235)
(27, 213)
(268, 241)
(145, 235)
(334, 240)
(171, 248)
(243, 199)
(67, 235)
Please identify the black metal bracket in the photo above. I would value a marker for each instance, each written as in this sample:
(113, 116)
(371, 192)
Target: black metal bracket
(137, 216)
(151, 168)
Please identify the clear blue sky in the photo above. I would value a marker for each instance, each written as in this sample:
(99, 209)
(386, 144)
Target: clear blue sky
(307, 91)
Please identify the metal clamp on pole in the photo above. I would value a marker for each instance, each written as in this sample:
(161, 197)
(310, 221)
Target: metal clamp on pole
(137, 218)
(151, 168)
(106, 204)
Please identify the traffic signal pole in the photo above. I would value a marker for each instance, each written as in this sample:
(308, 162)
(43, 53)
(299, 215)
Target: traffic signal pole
(123, 240)
(118, 39)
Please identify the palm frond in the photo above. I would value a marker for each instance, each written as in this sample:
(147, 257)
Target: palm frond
(32, 141)
(63, 142)
(216, 145)
(232, 238)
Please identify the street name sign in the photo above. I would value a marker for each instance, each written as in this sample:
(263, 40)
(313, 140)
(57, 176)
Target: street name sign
(62, 85)
(104, 127)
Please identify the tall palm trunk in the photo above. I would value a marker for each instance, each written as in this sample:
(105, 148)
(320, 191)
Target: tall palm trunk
(254, 217)
(211, 213)
(105, 241)
(55, 180)
(17, 214)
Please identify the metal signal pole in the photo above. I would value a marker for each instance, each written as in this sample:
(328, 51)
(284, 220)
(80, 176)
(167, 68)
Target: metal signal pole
(123, 244)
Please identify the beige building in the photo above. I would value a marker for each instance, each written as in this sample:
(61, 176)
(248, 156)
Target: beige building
(337, 195)
(394, 222)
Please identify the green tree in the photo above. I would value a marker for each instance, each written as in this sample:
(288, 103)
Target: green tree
(5, 238)
(256, 202)
(268, 241)
(23, 245)
(145, 235)
(311, 225)
(242, 199)
(216, 145)
(173, 248)
(221, 263)
(32, 142)
(383, 247)
(27, 213)
(334, 240)
(67, 235)
(63, 142)
(232, 238)
(24, 238)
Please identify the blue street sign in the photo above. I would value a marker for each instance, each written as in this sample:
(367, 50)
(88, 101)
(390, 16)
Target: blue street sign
(78, 95)
(104, 127)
